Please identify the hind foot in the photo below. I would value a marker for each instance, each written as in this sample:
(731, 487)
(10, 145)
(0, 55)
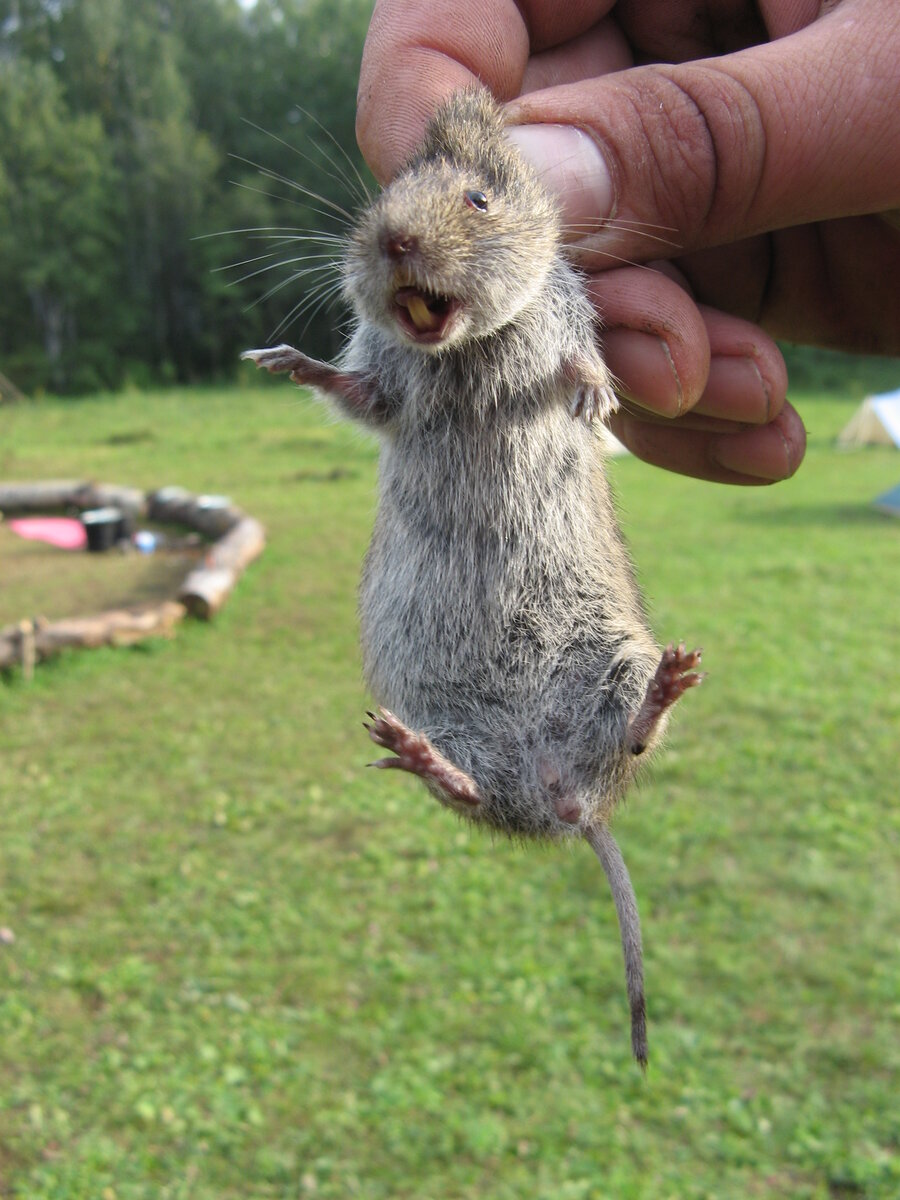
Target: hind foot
(416, 754)
(673, 677)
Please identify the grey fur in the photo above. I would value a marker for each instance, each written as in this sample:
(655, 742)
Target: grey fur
(499, 612)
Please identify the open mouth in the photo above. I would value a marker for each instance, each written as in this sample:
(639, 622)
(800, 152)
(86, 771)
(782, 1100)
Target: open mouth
(423, 316)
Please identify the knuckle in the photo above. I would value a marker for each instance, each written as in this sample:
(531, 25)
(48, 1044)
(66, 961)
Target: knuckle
(703, 140)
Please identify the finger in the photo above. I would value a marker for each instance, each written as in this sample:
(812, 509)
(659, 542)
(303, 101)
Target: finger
(747, 379)
(834, 284)
(792, 131)
(672, 356)
(654, 338)
(758, 456)
(600, 50)
(419, 51)
(670, 32)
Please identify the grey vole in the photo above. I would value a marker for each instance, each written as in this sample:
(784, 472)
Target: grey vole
(502, 628)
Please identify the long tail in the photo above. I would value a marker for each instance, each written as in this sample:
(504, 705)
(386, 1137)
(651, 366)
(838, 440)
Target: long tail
(606, 848)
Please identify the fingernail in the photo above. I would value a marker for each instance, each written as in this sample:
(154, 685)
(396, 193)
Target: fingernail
(644, 365)
(764, 453)
(736, 389)
(570, 164)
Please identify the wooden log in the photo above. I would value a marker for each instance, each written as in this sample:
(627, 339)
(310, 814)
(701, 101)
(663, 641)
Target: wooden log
(9, 391)
(212, 516)
(169, 504)
(239, 547)
(27, 648)
(207, 587)
(240, 540)
(116, 627)
(47, 496)
(12, 641)
(131, 501)
(54, 494)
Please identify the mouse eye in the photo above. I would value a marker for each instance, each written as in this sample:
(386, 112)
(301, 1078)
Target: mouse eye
(477, 200)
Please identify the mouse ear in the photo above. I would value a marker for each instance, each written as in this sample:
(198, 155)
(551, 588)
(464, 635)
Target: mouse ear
(467, 131)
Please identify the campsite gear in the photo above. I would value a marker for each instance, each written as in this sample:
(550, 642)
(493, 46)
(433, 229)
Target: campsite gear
(875, 423)
(103, 527)
(889, 502)
(66, 533)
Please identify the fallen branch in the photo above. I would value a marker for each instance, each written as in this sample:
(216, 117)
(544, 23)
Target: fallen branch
(33, 641)
(207, 587)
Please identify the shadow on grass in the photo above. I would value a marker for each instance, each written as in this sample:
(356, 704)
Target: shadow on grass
(819, 516)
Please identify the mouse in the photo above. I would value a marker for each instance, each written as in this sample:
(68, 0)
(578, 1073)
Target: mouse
(503, 634)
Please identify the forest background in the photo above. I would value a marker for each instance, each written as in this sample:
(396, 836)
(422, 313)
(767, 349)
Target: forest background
(132, 133)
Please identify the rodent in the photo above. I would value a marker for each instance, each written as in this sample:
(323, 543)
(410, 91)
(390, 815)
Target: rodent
(501, 625)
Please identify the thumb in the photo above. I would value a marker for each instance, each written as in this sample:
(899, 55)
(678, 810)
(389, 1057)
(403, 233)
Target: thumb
(797, 130)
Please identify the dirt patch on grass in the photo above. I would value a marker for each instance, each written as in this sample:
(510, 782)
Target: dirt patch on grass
(40, 580)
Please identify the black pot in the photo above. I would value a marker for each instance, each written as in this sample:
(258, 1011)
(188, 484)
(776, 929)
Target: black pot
(103, 527)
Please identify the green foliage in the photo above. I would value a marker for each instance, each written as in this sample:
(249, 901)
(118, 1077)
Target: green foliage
(245, 967)
(58, 220)
(129, 124)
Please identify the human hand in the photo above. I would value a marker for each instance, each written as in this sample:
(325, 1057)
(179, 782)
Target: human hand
(760, 172)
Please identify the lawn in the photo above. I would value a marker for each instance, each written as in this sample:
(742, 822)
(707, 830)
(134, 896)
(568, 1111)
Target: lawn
(239, 966)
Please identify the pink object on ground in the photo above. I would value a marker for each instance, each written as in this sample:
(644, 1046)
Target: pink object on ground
(64, 532)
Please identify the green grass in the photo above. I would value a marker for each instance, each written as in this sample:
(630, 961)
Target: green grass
(244, 967)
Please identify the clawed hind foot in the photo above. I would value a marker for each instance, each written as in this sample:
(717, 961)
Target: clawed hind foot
(416, 754)
(673, 677)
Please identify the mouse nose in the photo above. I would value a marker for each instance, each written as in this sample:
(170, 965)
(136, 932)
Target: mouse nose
(398, 246)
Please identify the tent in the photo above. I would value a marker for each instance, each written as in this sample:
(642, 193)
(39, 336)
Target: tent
(875, 423)
(889, 502)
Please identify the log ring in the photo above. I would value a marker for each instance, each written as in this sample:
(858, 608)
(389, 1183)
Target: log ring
(237, 540)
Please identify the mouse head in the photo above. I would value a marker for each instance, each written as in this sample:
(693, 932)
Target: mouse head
(461, 241)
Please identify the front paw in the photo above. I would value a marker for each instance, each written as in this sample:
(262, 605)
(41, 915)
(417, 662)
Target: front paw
(593, 397)
(279, 359)
(593, 401)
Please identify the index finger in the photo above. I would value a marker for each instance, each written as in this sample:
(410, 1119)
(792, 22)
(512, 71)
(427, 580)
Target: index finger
(419, 51)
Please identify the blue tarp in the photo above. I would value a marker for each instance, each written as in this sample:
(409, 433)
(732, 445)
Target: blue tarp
(889, 502)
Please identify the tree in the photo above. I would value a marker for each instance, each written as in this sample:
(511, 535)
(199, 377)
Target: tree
(144, 114)
(59, 232)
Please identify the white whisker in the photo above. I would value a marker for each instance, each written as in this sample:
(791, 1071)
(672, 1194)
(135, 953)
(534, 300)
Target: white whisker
(268, 173)
(277, 287)
(366, 194)
(357, 191)
(302, 306)
(282, 199)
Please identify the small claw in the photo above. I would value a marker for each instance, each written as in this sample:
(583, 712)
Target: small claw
(592, 401)
(276, 359)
